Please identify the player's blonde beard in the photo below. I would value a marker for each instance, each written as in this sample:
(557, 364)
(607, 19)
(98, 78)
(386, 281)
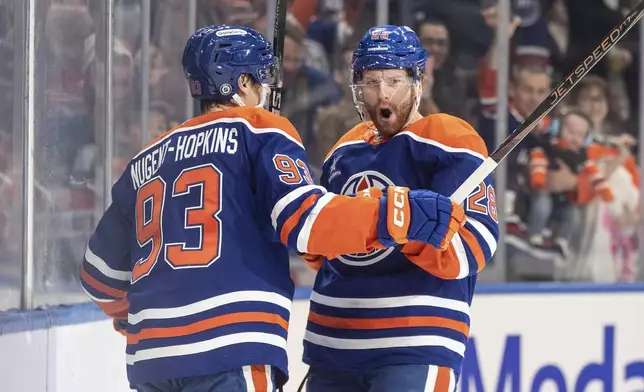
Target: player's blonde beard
(366, 114)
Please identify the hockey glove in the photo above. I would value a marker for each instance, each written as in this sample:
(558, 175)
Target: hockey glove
(418, 215)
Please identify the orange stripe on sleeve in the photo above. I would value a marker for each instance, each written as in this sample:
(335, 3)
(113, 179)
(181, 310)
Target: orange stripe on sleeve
(90, 280)
(340, 227)
(258, 374)
(389, 322)
(115, 309)
(443, 264)
(294, 219)
(442, 380)
(204, 325)
(475, 247)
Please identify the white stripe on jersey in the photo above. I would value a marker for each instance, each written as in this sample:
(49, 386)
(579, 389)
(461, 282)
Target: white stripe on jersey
(461, 255)
(105, 269)
(432, 375)
(248, 378)
(441, 145)
(210, 303)
(391, 302)
(93, 298)
(484, 232)
(288, 199)
(206, 345)
(452, 381)
(391, 342)
(305, 231)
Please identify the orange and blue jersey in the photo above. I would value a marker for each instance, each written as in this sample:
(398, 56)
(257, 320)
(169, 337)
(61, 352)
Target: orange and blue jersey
(191, 257)
(408, 304)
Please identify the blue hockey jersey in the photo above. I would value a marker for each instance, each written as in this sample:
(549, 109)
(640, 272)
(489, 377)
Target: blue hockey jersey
(407, 304)
(191, 253)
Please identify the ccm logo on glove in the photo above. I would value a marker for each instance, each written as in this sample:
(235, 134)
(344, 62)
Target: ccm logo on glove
(399, 213)
(399, 203)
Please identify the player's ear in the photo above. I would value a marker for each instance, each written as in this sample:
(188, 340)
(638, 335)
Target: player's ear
(244, 84)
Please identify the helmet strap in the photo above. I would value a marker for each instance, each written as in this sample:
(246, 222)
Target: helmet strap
(263, 95)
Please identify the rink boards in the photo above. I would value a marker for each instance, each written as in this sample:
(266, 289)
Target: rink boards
(551, 337)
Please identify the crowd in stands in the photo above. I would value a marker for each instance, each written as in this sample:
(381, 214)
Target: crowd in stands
(573, 191)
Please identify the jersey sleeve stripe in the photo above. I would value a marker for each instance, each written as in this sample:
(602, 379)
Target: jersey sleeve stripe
(204, 325)
(478, 227)
(295, 218)
(100, 287)
(461, 256)
(115, 309)
(258, 378)
(389, 322)
(453, 150)
(289, 198)
(379, 343)
(305, 232)
(391, 302)
(475, 249)
(210, 303)
(105, 269)
(206, 345)
(443, 380)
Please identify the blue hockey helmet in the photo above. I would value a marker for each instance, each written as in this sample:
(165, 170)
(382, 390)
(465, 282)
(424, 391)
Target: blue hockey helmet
(389, 47)
(216, 56)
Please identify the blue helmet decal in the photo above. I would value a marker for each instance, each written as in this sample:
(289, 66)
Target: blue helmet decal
(389, 47)
(216, 56)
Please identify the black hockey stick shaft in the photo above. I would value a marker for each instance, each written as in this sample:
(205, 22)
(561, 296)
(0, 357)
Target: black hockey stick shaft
(488, 166)
(275, 101)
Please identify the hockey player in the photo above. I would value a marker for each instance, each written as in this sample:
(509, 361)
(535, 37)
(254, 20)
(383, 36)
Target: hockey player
(191, 256)
(397, 319)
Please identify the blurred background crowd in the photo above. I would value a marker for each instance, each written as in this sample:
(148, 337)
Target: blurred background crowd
(571, 205)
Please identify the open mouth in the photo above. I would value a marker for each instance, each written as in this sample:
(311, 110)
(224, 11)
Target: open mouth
(385, 113)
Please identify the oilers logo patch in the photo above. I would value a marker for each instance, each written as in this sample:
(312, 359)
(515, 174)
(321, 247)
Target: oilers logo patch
(357, 183)
(365, 180)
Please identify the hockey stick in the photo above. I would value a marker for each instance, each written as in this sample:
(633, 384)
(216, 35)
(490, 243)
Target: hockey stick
(488, 166)
(275, 101)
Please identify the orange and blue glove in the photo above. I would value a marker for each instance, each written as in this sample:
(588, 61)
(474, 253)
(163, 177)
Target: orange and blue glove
(418, 215)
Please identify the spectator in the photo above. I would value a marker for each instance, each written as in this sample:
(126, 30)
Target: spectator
(334, 121)
(556, 202)
(529, 86)
(589, 20)
(445, 89)
(165, 84)
(615, 222)
(305, 89)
